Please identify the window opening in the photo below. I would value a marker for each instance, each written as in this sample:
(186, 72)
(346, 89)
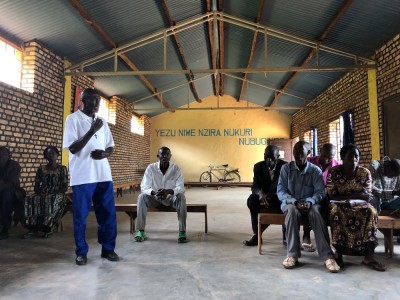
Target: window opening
(137, 125)
(10, 64)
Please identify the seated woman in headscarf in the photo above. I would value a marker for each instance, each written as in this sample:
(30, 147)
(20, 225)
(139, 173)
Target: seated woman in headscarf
(44, 209)
(353, 219)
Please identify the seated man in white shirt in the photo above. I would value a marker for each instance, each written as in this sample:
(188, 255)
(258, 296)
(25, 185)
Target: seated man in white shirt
(162, 184)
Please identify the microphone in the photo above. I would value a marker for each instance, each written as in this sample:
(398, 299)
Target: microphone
(94, 120)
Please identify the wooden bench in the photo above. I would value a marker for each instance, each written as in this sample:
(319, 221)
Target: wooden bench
(218, 185)
(386, 223)
(131, 211)
(129, 184)
(272, 217)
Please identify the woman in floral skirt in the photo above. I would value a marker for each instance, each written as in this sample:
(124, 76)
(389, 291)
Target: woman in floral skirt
(353, 220)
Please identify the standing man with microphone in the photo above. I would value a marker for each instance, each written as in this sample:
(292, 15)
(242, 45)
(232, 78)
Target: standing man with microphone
(89, 141)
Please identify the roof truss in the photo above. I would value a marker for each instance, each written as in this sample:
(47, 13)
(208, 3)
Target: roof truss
(359, 62)
(215, 22)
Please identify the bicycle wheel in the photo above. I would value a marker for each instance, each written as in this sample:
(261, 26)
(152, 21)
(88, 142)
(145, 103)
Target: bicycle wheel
(232, 176)
(205, 177)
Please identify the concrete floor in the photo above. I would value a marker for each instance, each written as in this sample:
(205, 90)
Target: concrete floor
(211, 266)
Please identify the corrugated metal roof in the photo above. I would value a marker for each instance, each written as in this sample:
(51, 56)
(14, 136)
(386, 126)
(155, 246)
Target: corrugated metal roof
(195, 47)
(126, 20)
(54, 23)
(244, 9)
(304, 18)
(183, 10)
(364, 26)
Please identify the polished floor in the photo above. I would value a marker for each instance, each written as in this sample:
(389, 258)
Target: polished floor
(211, 266)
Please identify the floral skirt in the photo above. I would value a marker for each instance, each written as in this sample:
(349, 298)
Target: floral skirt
(44, 211)
(353, 229)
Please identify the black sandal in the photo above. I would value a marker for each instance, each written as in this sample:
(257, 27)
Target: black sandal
(374, 264)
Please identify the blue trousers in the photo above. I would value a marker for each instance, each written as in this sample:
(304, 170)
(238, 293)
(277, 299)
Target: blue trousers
(391, 204)
(102, 195)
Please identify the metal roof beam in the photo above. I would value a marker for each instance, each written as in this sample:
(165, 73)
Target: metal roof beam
(167, 90)
(231, 108)
(234, 70)
(159, 35)
(92, 22)
(267, 87)
(195, 21)
(253, 46)
(288, 37)
(82, 11)
(178, 44)
(313, 51)
(211, 41)
(221, 49)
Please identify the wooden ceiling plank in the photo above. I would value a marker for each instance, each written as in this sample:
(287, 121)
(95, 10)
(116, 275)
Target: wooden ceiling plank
(211, 41)
(311, 53)
(84, 13)
(253, 46)
(221, 50)
(175, 38)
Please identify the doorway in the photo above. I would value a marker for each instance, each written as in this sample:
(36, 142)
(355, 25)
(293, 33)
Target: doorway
(391, 127)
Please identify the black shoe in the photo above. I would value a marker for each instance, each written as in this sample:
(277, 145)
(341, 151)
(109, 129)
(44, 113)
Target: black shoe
(252, 242)
(110, 255)
(339, 259)
(81, 260)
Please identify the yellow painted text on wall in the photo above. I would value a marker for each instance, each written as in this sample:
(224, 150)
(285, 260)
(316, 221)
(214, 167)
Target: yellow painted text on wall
(198, 138)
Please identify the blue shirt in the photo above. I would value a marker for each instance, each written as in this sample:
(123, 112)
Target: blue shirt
(295, 185)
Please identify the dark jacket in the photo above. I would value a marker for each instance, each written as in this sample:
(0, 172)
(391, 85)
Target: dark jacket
(262, 179)
(10, 173)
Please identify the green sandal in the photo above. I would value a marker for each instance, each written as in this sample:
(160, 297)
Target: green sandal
(140, 236)
(29, 234)
(182, 237)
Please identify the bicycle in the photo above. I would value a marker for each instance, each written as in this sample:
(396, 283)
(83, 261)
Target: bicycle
(227, 176)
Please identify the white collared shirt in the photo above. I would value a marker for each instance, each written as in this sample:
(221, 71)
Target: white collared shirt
(83, 169)
(154, 179)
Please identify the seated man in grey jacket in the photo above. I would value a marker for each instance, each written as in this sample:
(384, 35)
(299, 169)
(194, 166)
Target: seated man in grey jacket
(301, 190)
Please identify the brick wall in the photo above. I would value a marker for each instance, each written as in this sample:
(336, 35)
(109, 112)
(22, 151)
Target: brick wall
(348, 93)
(32, 118)
(388, 78)
(132, 151)
(351, 93)
(29, 120)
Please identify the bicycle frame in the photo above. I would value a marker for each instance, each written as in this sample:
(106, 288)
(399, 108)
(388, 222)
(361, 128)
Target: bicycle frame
(227, 175)
(222, 168)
